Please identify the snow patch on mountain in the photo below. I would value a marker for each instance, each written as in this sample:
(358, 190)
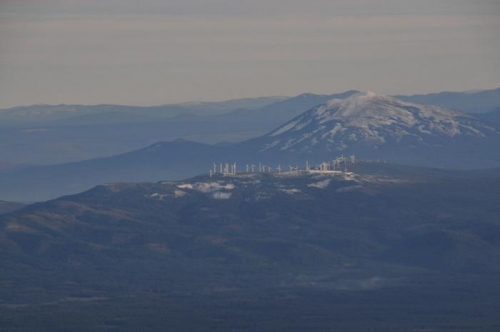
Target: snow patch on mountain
(221, 195)
(291, 191)
(158, 196)
(371, 119)
(207, 187)
(179, 193)
(284, 128)
(320, 184)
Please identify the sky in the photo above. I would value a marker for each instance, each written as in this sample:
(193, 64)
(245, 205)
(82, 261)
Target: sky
(153, 52)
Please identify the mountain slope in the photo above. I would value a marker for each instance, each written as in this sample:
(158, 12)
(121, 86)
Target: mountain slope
(399, 247)
(287, 109)
(382, 127)
(166, 160)
(470, 102)
(255, 206)
(7, 207)
(492, 117)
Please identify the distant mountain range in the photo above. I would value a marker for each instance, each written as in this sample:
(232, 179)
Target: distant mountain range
(482, 101)
(108, 114)
(44, 134)
(419, 245)
(371, 127)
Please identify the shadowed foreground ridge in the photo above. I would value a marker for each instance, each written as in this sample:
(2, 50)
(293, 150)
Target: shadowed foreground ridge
(392, 248)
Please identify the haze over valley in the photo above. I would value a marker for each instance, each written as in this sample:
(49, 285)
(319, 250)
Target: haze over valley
(370, 126)
(44, 134)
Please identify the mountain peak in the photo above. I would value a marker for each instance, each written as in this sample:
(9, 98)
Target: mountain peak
(372, 121)
(352, 105)
(368, 105)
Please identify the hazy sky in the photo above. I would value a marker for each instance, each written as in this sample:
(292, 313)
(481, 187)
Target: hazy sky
(153, 52)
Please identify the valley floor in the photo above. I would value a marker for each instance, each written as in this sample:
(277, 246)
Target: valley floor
(376, 297)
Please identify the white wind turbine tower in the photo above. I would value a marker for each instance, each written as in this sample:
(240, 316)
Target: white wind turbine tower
(215, 168)
(234, 168)
(279, 168)
(253, 168)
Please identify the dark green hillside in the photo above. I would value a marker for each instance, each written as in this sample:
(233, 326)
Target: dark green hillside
(395, 248)
(6, 207)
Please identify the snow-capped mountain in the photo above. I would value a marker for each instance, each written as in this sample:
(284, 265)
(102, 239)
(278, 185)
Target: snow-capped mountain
(376, 126)
(371, 127)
